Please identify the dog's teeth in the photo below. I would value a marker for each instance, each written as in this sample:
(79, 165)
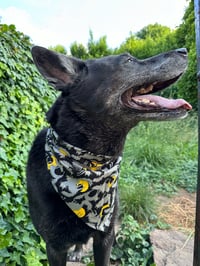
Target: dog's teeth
(152, 103)
(143, 100)
(146, 90)
(142, 91)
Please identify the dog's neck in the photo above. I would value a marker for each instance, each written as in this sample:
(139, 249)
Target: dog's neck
(99, 141)
(95, 135)
(76, 153)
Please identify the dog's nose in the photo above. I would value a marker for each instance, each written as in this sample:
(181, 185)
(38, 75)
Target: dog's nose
(182, 51)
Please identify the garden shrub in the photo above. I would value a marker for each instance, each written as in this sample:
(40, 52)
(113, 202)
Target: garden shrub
(132, 247)
(25, 97)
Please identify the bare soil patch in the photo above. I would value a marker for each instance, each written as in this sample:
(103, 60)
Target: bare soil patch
(179, 211)
(174, 247)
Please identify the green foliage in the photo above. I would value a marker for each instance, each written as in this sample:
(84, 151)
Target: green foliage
(138, 200)
(185, 33)
(99, 48)
(151, 40)
(162, 155)
(24, 98)
(132, 246)
(139, 48)
(79, 51)
(58, 48)
(185, 36)
(94, 48)
(153, 31)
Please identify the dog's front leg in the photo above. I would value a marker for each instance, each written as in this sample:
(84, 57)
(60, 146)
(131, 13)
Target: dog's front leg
(55, 257)
(102, 246)
(76, 254)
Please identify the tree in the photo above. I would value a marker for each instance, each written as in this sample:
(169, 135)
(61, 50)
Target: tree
(94, 48)
(98, 48)
(151, 40)
(153, 31)
(78, 50)
(58, 48)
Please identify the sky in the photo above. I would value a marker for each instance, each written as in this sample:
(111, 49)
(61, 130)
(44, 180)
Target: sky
(52, 22)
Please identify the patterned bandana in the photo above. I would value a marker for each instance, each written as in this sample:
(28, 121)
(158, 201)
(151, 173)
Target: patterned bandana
(86, 182)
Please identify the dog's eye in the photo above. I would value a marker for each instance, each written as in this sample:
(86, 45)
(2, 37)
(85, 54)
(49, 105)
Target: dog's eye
(130, 59)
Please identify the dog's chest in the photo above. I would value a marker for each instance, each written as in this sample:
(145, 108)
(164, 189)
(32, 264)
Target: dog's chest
(86, 182)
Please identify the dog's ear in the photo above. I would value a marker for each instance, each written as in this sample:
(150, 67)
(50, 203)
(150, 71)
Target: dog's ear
(58, 69)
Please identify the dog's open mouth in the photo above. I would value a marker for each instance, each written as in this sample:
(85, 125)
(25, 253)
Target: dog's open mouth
(140, 99)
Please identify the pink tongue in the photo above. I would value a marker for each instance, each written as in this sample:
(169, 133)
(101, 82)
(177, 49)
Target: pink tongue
(164, 103)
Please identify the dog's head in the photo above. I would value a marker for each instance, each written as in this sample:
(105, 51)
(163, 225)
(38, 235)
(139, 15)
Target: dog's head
(118, 87)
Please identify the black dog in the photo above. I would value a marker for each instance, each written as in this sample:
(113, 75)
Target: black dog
(73, 166)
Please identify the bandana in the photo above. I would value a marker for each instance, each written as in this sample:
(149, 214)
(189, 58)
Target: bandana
(86, 182)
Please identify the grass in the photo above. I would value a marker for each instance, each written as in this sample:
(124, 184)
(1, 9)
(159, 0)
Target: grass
(159, 157)
(162, 153)
(138, 200)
